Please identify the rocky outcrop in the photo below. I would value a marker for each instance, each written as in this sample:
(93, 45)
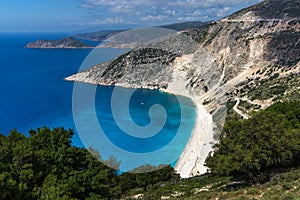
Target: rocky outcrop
(243, 42)
(58, 44)
(241, 56)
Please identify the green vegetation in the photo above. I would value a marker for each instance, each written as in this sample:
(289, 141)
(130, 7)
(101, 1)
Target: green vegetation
(245, 106)
(184, 25)
(284, 185)
(258, 158)
(283, 89)
(230, 112)
(284, 48)
(201, 34)
(254, 148)
(99, 36)
(272, 9)
(46, 166)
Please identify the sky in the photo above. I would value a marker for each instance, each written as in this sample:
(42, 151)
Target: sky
(81, 15)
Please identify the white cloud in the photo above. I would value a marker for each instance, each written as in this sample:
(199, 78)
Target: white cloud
(162, 11)
(153, 18)
(84, 5)
(109, 20)
(195, 14)
(218, 12)
(209, 3)
(223, 11)
(170, 12)
(96, 3)
(122, 9)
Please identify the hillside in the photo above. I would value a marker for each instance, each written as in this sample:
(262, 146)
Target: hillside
(248, 60)
(272, 9)
(256, 158)
(45, 165)
(285, 185)
(101, 36)
(69, 42)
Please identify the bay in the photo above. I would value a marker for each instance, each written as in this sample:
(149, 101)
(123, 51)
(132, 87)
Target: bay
(34, 94)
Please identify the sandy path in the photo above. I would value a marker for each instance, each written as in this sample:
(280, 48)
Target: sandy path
(235, 108)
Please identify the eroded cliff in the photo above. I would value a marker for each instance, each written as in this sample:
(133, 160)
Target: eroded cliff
(251, 57)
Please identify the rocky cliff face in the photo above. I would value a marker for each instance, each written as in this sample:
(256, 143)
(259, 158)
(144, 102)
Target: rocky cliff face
(250, 59)
(239, 53)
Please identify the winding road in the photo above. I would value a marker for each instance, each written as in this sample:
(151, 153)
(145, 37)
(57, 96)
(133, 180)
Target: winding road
(235, 108)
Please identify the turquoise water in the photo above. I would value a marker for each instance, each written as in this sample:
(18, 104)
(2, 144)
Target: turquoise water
(34, 94)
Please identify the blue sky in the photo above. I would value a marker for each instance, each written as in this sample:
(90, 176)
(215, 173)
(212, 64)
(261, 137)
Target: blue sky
(76, 15)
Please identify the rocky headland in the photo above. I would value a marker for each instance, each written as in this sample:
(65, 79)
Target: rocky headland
(66, 43)
(248, 60)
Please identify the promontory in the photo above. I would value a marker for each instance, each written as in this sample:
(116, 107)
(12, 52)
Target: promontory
(65, 43)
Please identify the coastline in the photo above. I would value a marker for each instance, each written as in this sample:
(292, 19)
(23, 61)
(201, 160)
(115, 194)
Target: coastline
(192, 159)
(59, 47)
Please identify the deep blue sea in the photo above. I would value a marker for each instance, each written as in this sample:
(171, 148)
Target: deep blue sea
(34, 94)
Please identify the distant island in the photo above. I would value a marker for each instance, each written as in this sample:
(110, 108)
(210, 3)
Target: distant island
(100, 36)
(65, 43)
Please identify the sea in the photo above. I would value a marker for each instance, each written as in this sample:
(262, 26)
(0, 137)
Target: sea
(34, 94)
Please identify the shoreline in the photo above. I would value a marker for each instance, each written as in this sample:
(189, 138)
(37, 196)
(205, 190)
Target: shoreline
(192, 159)
(59, 47)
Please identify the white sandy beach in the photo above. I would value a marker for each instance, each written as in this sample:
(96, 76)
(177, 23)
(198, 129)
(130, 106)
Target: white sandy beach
(191, 161)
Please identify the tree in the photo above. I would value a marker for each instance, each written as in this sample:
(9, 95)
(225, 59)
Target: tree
(45, 165)
(159, 174)
(269, 139)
